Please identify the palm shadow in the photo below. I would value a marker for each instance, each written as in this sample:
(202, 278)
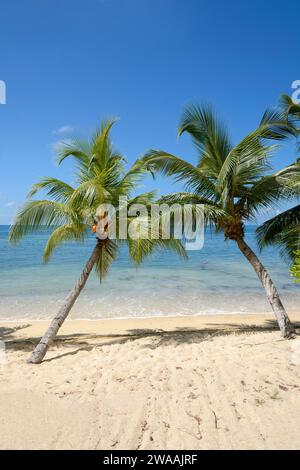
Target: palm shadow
(7, 333)
(159, 338)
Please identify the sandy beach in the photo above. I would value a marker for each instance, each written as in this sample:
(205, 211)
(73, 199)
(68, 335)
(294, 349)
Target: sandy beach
(214, 382)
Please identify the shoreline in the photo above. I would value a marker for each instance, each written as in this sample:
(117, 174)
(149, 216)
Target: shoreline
(295, 313)
(111, 307)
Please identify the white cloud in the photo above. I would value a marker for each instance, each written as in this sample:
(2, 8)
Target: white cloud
(10, 204)
(59, 143)
(63, 130)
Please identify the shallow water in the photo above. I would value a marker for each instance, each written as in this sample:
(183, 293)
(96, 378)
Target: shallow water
(216, 279)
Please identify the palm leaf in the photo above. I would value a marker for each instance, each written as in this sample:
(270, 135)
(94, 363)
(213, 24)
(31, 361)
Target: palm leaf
(78, 149)
(271, 231)
(182, 171)
(274, 125)
(108, 253)
(35, 214)
(62, 234)
(141, 248)
(101, 145)
(56, 189)
(209, 135)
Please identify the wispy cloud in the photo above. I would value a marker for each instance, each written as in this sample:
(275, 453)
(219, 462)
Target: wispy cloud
(59, 143)
(63, 130)
(10, 204)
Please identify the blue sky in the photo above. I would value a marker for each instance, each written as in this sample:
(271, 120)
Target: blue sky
(69, 63)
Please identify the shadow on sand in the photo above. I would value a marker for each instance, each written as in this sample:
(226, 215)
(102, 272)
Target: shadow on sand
(7, 333)
(87, 341)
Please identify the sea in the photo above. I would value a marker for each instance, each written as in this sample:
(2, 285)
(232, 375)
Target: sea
(214, 280)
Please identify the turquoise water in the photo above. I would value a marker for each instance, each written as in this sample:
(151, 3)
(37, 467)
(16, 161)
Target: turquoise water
(216, 279)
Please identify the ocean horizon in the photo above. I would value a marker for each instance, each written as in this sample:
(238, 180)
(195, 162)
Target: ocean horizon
(214, 280)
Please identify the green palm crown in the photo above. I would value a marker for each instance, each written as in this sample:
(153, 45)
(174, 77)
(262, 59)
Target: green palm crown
(233, 182)
(100, 178)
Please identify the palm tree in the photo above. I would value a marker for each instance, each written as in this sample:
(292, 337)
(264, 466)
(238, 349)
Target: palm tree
(232, 182)
(283, 230)
(100, 179)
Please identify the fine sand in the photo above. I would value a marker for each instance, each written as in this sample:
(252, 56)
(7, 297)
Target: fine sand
(217, 382)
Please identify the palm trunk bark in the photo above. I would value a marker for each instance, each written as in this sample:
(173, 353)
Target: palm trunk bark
(39, 352)
(285, 325)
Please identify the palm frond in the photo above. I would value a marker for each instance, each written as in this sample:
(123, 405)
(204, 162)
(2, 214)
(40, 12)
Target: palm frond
(274, 125)
(212, 212)
(290, 179)
(90, 193)
(101, 147)
(76, 148)
(245, 163)
(66, 232)
(290, 243)
(209, 135)
(141, 248)
(144, 198)
(295, 269)
(56, 189)
(289, 107)
(132, 177)
(108, 254)
(271, 231)
(182, 198)
(35, 214)
(182, 171)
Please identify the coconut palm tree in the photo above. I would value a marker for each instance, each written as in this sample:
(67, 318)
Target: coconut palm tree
(231, 181)
(70, 210)
(283, 230)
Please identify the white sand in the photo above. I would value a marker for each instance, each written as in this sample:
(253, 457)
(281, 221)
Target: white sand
(202, 383)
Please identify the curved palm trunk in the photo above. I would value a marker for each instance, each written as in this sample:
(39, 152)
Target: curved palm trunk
(285, 325)
(41, 349)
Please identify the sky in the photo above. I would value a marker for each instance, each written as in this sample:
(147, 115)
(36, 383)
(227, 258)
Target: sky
(67, 64)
